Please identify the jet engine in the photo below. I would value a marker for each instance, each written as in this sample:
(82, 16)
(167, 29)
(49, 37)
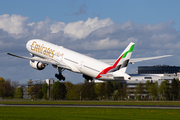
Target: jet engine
(37, 65)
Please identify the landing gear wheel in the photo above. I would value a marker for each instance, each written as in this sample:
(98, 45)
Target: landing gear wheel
(87, 77)
(60, 76)
(63, 78)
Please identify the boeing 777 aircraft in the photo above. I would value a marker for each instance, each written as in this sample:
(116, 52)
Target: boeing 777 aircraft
(44, 53)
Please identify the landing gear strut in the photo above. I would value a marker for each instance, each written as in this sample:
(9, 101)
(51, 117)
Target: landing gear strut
(60, 76)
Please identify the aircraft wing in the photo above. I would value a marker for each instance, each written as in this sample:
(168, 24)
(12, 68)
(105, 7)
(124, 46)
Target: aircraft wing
(45, 61)
(133, 60)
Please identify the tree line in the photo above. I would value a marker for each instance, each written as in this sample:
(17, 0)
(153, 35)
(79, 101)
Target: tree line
(152, 91)
(93, 91)
(8, 89)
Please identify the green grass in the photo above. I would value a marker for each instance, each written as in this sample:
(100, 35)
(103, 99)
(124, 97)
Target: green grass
(70, 113)
(175, 103)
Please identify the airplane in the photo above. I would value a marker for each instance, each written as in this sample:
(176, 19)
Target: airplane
(44, 53)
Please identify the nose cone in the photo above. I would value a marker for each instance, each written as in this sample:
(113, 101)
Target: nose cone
(28, 45)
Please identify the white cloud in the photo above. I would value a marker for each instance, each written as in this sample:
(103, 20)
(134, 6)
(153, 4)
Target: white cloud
(14, 24)
(108, 44)
(102, 44)
(164, 37)
(58, 26)
(31, 24)
(81, 29)
(92, 34)
(127, 24)
(159, 26)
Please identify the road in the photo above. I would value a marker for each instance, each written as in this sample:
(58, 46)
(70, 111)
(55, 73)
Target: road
(97, 106)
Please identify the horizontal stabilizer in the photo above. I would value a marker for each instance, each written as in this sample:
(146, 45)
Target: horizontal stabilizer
(133, 60)
(120, 78)
(106, 75)
(147, 58)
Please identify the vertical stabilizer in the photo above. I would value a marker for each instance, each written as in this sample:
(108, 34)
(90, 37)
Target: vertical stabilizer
(123, 60)
(121, 63)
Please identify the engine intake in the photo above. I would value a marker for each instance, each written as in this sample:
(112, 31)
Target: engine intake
(37, 65)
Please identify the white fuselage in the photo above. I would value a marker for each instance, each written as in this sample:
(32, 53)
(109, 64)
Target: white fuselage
(77, 62)
(63, 58)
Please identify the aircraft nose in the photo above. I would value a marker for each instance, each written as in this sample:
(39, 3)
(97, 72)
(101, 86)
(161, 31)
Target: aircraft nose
(28, 44)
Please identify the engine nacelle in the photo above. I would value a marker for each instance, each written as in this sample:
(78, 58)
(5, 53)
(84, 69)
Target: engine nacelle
(37, 65)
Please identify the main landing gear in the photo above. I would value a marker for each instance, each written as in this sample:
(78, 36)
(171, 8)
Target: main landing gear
(60, 76)
(87, 77)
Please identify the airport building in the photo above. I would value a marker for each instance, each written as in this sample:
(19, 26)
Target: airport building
(142, 78)
(158, 69)
(152, 73)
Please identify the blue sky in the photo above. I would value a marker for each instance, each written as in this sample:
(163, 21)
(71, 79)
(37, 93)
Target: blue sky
(81, 25)
(140, 11)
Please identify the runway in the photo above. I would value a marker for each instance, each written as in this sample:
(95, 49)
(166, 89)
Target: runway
(96, 106)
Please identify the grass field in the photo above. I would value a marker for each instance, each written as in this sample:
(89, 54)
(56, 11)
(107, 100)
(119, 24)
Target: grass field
(176, 103)
(70, 113)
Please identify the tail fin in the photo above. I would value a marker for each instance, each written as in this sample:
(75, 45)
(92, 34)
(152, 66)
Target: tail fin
(122, 62)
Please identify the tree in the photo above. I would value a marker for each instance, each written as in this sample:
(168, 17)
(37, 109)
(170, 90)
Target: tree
(55, 85)
(40, 94)
(2, 80)
(122, 91)
(88, 91)
(174, 89)
(73, 94)
(93, 95)
(61, 91)
(78, 88)
(163, 90)
(2, 87)
(139, 90)
(44, 90)
(153, 90)
(18, 93)
(102, 91)
(30, 82)
(109, 89)
(15, 84)
(147, 86)
(68, 85)
(97, 90)
(71, 91)
(179, 90)
(33, 91)
(6, 90)
(115, 95)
